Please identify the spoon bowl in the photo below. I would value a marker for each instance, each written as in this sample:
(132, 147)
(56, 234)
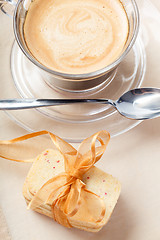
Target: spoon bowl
(140, 104)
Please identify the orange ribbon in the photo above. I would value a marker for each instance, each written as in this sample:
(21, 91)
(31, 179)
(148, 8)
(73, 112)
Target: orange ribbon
(66, 193)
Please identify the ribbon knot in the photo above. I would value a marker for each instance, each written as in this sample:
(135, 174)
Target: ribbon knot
(66, 193)
(75, 175)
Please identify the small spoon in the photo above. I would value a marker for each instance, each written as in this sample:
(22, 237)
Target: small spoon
(139, 104)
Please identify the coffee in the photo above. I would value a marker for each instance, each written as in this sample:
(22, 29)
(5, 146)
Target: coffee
(76, 36)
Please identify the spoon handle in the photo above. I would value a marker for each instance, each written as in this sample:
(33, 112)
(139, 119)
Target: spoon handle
(26, 103)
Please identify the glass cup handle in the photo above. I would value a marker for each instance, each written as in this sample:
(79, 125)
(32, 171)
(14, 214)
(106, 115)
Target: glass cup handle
(8, 6)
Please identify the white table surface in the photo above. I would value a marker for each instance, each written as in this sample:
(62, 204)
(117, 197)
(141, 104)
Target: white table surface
(133, 157)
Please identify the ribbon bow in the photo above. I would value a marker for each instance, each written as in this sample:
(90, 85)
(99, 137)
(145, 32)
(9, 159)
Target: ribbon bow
(66, 192)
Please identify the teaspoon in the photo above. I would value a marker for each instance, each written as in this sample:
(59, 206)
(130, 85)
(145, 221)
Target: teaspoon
(139, 104)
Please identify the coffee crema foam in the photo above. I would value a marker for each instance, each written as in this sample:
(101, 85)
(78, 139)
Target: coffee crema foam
(76, 36)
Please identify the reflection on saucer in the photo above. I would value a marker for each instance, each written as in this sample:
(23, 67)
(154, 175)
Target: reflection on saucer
(76, 122)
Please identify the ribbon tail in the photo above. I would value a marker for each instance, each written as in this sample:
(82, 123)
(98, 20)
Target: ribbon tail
(59, 214)
(92, 208)
(83, 202)
(95, 205)
(9, 148)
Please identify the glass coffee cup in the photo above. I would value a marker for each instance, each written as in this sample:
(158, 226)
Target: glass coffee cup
(73, 82)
